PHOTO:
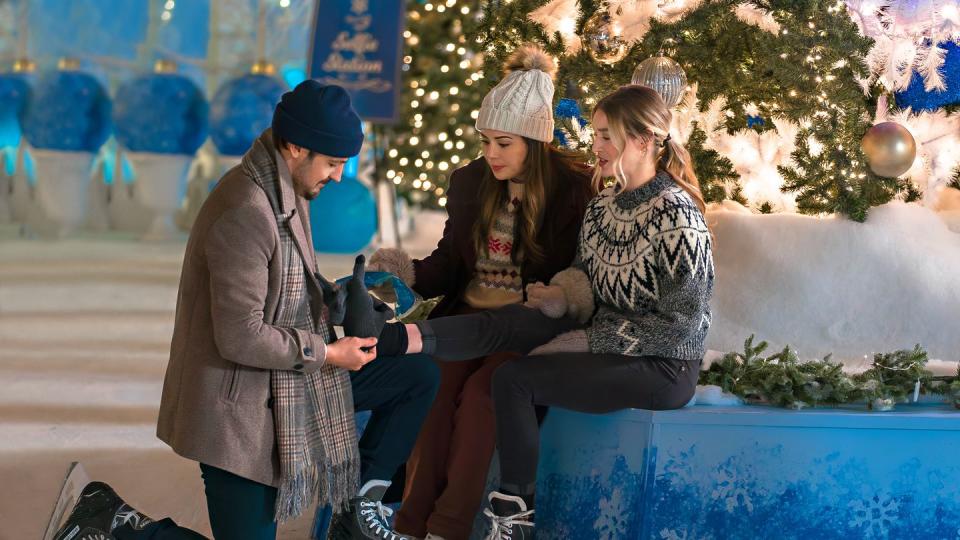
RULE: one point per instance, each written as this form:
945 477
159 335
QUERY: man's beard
308 195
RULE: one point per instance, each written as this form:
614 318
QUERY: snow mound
829 284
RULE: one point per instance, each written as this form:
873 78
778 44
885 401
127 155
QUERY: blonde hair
638 111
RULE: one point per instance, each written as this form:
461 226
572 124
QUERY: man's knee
424 374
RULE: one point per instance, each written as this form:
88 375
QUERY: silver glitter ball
602 39
663 75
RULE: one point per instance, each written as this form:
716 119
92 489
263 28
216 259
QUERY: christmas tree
781 92
439 103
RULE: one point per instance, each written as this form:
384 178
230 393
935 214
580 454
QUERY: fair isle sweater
496 280
647 254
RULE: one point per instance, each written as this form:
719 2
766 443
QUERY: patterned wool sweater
647 255
497 281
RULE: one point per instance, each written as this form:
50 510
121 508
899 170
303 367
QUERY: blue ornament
569 108
916 97
14 96
163 113
241 109
755 121
343 217
70 111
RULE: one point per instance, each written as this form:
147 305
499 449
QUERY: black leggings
585 382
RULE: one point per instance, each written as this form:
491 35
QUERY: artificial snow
710 394
831 285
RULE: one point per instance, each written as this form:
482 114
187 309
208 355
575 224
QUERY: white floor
85 326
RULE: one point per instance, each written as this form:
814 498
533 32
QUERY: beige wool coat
216 401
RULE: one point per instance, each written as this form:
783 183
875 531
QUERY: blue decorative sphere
919 99
241 109
69 110
343 217
14 96
164 113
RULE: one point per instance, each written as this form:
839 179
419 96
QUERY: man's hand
348 352
549 299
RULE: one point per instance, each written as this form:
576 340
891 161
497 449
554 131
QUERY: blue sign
358 47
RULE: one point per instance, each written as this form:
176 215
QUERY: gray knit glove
574 341
334 297
363 317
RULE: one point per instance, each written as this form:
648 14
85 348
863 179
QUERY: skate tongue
506 505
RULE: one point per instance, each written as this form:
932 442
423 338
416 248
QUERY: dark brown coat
448 270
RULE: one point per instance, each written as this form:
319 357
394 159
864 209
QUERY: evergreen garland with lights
781 379
438 105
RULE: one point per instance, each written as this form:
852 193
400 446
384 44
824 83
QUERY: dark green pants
238 508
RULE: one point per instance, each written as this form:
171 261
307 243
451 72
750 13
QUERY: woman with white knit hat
513 220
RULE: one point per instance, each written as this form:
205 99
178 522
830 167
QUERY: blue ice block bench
750 472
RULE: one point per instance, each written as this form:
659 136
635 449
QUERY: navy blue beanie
319 118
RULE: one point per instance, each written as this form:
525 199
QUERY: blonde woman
627 321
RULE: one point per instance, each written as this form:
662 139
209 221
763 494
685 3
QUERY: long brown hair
639 111
543 169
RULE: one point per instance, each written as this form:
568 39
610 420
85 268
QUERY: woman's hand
549 299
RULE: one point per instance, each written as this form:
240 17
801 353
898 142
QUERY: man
258 391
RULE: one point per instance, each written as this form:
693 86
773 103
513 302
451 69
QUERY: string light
437 104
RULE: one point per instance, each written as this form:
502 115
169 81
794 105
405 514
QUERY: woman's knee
476 391
509 378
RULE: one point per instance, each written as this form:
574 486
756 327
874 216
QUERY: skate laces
372 510
126 514
502 526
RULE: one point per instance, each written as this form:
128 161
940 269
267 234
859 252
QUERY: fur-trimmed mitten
578 293
363 316
395 261
574 341
550 300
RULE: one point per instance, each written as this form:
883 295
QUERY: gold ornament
68 63
663 75
263 67
889 149
162 65
602 39
24 65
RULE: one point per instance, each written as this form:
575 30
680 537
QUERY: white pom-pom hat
522 103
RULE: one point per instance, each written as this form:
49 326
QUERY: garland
783 380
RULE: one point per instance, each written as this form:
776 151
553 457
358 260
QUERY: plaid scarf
313 413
